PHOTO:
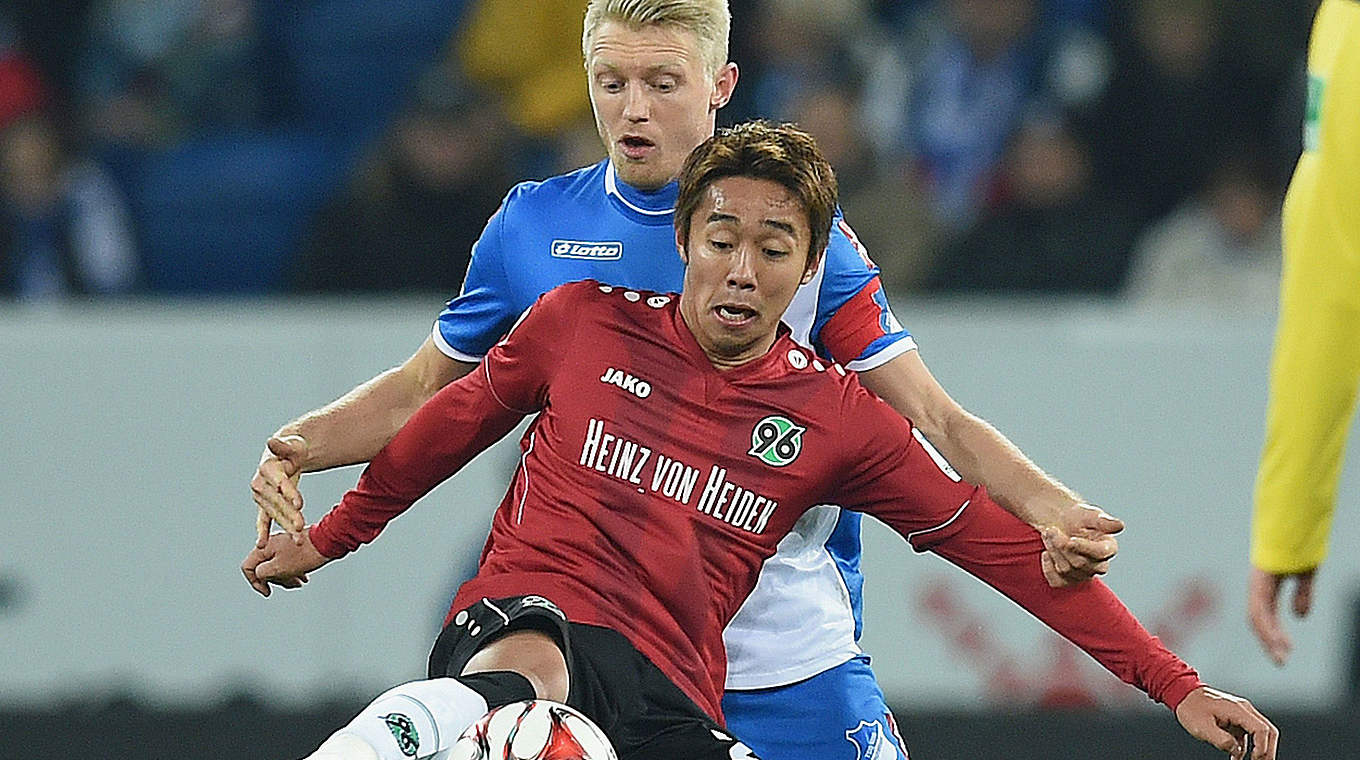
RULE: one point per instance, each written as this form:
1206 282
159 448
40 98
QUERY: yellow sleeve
1315 368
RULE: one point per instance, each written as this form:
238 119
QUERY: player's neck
724 358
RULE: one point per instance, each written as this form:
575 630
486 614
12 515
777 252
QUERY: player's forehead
752 202
622 46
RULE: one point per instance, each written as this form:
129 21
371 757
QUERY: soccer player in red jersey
676 441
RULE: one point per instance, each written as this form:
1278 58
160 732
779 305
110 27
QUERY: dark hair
781 153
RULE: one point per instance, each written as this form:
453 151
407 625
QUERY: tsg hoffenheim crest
871 742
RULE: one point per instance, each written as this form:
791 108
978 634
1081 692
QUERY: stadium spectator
155 72
658 74
1222 247
1178 92
890 215
63 225
574 600
1315 369
529 54
801 45
1054 230
416 206
22 89
945 100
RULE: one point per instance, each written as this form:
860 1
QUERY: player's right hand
275 487
282 562
1080 545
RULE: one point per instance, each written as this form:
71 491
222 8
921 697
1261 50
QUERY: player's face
653 99
746 256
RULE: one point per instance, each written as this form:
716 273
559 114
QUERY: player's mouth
735 315
635 147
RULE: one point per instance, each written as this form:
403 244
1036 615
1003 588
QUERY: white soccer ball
534 729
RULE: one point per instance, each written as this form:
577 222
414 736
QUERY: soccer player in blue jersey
658 73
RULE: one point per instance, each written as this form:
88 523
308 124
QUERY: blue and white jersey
804 615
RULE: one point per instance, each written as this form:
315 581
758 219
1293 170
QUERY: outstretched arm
460 422
349 430
1078 538
999 550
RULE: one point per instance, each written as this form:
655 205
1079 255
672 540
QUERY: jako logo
636 386
585 249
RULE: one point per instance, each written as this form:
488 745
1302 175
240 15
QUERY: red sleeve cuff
327 544
1180 689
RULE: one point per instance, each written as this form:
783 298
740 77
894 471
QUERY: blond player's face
746 255
654 101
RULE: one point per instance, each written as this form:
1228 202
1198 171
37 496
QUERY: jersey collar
656 207
771 363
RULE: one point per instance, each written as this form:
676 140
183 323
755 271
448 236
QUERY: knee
534 655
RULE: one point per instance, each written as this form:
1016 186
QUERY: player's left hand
1226 721
282 562
1080 545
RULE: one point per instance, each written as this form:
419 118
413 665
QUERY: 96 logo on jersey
776 441
587 249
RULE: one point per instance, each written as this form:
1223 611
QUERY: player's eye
664 85
720 245
611 85
776 253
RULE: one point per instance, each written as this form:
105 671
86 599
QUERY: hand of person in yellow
1263 593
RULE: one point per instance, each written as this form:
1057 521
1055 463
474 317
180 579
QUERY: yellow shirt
1315 368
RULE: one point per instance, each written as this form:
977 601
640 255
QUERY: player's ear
680 245
723 85
811 268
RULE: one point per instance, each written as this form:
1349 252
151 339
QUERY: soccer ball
534 729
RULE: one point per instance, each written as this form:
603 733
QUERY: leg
496 662
839 714
414 720
532 654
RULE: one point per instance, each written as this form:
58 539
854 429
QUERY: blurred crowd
1127 148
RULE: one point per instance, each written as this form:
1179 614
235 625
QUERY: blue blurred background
217 214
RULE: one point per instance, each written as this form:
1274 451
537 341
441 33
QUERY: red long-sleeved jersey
652 486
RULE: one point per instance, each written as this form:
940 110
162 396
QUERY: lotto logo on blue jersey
586 249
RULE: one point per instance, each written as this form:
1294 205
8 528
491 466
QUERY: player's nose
741 271
636 105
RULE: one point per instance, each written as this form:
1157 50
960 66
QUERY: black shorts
643 713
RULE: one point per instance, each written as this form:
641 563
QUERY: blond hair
709 20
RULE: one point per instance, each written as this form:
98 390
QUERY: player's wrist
328 547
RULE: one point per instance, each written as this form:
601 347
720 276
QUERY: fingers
1095 521
1107 524
248 567
1050 572
1265 738
1093 552
1075 559
1056 545
275 492
1262 593
1243 720
1303 594
1227 722
1234 745
262 523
